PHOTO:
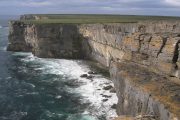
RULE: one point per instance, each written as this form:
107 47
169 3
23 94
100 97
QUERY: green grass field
85 19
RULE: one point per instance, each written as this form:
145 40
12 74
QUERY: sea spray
90 92
35 88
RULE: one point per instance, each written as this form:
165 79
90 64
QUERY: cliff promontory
143 58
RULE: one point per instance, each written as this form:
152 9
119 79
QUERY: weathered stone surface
140 117
108 87
151 44
54 41
84 75
17 38
92 72
154 44
143 92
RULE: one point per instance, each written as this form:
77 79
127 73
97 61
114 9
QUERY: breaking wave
34 88
88 95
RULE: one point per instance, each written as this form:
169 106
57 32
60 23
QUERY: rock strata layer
142 58
53 41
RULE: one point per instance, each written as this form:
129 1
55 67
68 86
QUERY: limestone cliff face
143 92
17 37
55 41
153 44
141 58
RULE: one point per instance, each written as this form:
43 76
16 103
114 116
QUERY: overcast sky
137 7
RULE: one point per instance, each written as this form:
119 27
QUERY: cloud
36 3
142 7
173 2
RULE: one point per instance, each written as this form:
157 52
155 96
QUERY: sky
130 7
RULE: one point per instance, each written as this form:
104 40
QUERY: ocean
33 88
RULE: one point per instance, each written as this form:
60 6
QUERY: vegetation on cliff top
81 19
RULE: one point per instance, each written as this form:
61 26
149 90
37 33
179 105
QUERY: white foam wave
92 91
32 93
3 48
8 77
23 54
80 117
32 85
28 56
58 97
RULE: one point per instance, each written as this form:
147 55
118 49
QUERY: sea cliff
142 57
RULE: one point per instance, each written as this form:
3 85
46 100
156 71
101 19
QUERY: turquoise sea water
33 88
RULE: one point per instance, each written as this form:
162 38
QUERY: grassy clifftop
85 19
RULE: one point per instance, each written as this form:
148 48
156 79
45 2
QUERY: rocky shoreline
142 58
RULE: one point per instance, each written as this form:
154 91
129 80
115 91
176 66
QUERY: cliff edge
143 58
